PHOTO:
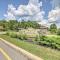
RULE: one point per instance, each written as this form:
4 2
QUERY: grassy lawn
43 52
54 38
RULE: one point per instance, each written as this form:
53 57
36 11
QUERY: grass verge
43 52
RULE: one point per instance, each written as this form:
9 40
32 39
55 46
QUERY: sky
43 11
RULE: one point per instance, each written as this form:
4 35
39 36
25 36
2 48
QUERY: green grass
52 41
43 52
55 38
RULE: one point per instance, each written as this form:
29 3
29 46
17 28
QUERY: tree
26 24
13 24
4 24
53 28
58 31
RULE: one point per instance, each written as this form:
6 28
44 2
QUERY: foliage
53 28
58 31
14 24
22 36
15 35
12 34
36 38
26 24
49 41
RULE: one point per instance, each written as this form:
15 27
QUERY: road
8 53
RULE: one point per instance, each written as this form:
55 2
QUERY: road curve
12 53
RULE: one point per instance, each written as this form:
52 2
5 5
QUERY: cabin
43 30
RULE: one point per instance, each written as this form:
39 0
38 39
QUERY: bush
42 37
25 37
49 41
36 38
7 33
22 36
13 35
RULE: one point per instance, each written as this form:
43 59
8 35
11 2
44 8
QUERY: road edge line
5 54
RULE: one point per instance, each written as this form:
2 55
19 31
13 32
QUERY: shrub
36 38
7 33
42 37
13 35
22 36
49 41
25 37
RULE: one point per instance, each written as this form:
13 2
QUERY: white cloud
10 16
55 3
54 15
31 11
43 22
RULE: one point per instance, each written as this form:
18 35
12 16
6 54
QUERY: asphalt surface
12 53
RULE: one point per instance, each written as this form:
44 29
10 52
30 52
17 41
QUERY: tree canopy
14 24
53 28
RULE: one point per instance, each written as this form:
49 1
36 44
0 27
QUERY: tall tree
58 31
53 28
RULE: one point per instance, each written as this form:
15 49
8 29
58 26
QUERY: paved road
12 53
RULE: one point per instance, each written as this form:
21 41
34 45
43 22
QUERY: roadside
43 52
28 55
11 53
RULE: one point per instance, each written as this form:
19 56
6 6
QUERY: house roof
43 27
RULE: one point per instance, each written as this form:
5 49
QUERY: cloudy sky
43 11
